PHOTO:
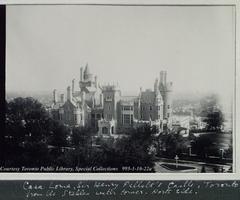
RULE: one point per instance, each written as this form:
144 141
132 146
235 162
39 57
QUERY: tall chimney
54 96
161 77
165 78
73 83
69 93
81 74
62 98
101 100
95 80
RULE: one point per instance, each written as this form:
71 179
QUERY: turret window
109 98
127 108
150 107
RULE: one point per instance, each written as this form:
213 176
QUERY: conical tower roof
86 70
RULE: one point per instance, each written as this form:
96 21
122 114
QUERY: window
93 116
158 107
168 106
150 107
109 107
126 119
105 130
81 116
98 116
127 108
168 115
158 116
131 117
109 98
109 116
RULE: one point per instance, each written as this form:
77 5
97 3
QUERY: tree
211 112
29 131
214 120
135 149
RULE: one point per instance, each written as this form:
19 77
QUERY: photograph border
148 176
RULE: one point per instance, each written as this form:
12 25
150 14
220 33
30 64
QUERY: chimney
165 78
161 77
54 96
69 93
101 100
156 85
81 74
62 98
95 80
73 83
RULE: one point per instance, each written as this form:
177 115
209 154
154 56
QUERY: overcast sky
46 46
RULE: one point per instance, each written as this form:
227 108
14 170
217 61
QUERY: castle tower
111 96
159 105
166 92
69 93
55 96
62 99
87 76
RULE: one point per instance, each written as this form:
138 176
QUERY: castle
103 108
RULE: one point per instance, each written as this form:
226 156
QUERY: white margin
150 176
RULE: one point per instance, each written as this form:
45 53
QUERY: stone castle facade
103 107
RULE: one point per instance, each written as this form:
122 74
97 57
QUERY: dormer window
109 98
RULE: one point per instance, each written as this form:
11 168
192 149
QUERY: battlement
169 86
110 87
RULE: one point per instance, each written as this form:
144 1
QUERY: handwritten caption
54 189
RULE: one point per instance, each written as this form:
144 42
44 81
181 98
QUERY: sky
128 45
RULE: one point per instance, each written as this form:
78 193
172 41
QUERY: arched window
104 130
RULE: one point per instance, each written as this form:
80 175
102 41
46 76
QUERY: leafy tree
29 131
211 112
214 120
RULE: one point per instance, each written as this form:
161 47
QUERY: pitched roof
148 96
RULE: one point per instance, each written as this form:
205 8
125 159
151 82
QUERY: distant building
104 108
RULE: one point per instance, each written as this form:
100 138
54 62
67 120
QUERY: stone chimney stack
62 98
73 84
69 93
156 85
81 74
96 83
161 77
165 78
54 96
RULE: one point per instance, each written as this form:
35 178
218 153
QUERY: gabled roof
129 98
148 97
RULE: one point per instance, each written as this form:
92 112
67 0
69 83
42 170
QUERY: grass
175 167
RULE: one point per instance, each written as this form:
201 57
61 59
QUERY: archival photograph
119 89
